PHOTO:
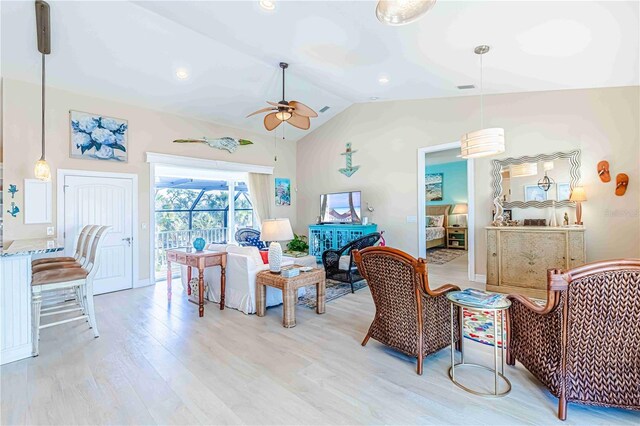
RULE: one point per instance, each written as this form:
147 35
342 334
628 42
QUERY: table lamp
578 195
275 230
460 209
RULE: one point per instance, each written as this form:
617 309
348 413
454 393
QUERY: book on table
478 297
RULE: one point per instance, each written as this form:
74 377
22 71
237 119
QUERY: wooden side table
289 287
457 235
200 260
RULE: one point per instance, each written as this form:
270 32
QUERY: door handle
128 240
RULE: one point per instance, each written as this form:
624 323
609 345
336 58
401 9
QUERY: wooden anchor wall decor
350 169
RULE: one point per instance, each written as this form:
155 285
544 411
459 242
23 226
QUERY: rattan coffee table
501 307
289 287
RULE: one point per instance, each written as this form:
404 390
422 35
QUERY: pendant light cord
43 104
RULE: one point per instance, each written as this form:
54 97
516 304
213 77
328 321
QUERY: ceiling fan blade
278 105
271 121
302 109
299 121
261 110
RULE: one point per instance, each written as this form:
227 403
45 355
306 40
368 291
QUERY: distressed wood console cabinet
518 257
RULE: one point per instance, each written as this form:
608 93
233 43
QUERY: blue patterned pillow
255 242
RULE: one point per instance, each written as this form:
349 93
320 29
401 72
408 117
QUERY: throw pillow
255 242
435 221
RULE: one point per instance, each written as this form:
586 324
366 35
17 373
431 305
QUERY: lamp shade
42 170
524 169
578 194
482 143
462 208
276 230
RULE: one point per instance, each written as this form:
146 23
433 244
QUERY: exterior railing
172 239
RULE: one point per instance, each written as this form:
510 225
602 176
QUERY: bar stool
77 279
86 230
80 259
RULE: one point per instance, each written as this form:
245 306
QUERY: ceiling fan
293 112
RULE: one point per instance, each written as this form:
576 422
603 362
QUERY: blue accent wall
454 179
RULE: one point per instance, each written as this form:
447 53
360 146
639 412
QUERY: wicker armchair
584 345
346 274
410 317
243 234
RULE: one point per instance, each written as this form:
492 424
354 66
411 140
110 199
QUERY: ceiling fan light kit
402 12
483 142
293 112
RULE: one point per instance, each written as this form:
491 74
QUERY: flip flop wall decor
603 171
622 181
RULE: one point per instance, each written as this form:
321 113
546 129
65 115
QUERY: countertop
538 228
33 246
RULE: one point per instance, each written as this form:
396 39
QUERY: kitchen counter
15 295
33 246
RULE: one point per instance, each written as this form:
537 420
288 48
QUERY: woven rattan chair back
243 234
409 317
603 337
393 280
584 344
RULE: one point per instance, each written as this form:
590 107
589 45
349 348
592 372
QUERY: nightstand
457 237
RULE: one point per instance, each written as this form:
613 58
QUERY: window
186 205
186 209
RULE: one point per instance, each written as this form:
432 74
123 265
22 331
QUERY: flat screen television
341 207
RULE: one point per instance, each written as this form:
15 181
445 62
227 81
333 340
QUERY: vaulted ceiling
338 51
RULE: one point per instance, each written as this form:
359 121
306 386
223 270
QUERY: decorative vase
275 257
198 244
553 220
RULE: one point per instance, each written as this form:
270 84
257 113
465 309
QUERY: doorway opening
445 212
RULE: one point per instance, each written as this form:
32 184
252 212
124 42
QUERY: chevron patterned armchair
584 344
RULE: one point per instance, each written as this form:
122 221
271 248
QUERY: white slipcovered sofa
243 263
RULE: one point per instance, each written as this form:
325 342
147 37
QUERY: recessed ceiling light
374 98
268 4
383 79
182 73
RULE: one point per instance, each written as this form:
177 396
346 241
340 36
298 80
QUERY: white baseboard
16 353
143 283
481 278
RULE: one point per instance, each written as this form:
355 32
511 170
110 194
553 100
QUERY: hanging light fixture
402 12
524 169
483 142
42 170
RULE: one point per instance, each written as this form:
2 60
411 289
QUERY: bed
436 235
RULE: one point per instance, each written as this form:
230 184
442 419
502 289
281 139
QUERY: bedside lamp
578 195
459 209
275 230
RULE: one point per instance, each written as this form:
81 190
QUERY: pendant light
483 142
402 12
42 170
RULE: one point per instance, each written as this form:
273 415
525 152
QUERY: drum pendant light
41 169
483 142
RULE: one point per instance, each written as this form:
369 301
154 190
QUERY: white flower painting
95 137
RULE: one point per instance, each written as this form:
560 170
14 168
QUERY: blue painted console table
324 237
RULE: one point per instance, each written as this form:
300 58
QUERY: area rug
440 256
478 325
333 290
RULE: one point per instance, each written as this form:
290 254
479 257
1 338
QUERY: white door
102 201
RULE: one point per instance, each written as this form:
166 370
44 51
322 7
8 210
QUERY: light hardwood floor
160 364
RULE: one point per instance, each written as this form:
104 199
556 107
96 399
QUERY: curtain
260 192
